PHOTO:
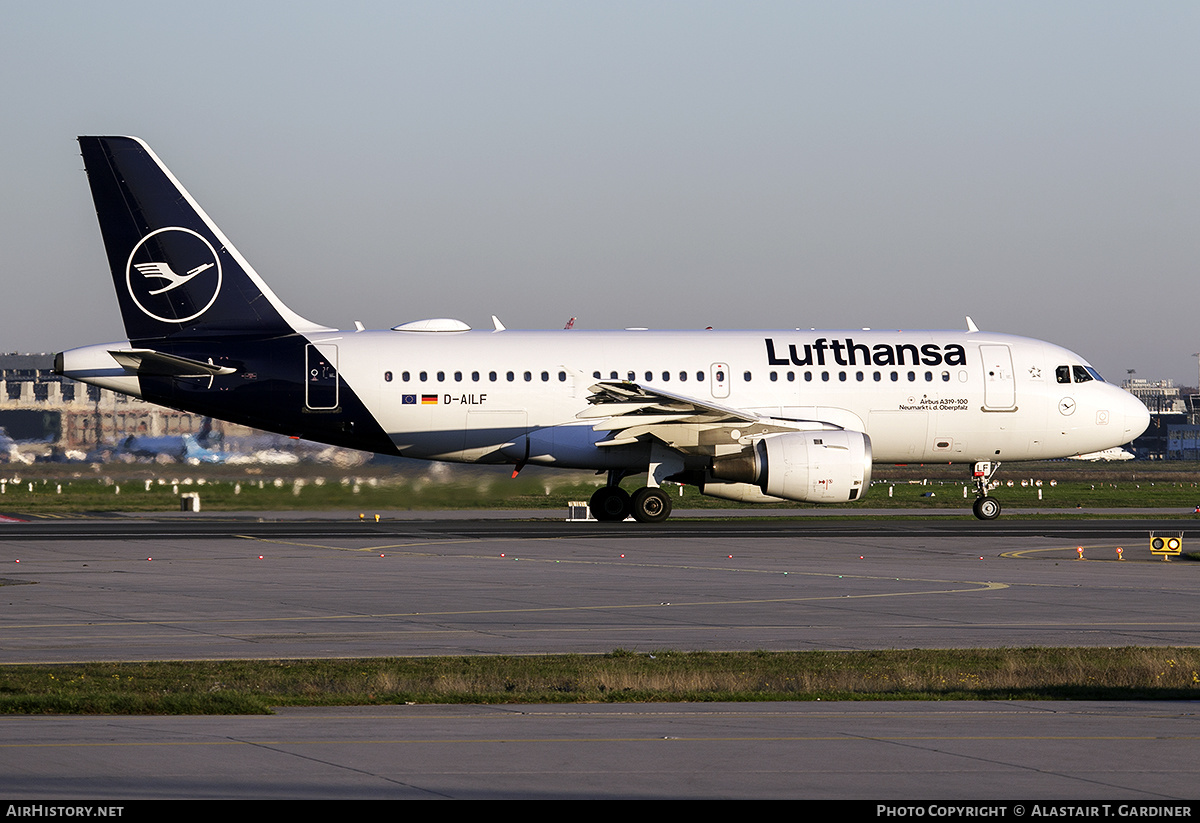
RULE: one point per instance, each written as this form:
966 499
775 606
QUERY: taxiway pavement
225 587
1077 753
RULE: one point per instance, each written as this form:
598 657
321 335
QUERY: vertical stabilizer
175 272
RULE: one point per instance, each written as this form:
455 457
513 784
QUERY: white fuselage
968 397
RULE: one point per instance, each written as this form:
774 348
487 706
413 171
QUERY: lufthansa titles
845 352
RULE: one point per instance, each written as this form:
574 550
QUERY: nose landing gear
985 507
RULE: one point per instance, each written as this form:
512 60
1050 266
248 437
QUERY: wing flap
626 399
631 412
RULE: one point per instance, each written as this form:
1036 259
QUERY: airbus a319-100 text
753 416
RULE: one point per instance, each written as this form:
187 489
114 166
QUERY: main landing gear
985 507
612 504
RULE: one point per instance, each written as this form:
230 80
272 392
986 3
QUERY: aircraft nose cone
1137 417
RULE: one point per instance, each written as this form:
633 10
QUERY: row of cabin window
666 376
545 376
861 376
511 377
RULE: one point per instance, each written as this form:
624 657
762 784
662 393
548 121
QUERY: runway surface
224 587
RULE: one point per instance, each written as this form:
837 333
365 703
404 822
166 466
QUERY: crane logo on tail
155 284
163 270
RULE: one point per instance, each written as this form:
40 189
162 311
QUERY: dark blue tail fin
174 271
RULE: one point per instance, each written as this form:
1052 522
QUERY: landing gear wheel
986 508
650 505
609 504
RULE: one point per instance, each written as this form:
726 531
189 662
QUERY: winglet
971 324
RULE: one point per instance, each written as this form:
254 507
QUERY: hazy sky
663 164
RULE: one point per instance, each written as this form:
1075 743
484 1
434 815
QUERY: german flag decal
429 400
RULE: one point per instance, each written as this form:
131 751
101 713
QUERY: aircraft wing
630 411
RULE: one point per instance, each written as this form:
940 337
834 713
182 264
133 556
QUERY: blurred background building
44 416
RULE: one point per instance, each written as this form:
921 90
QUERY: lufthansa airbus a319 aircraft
753 416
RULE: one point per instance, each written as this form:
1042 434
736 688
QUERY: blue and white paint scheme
756 416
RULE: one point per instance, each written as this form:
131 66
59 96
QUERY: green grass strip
57 488
254 686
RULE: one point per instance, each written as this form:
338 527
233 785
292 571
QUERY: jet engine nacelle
737 492
811 467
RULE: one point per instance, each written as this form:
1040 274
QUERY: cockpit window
1081 374
1094 374
1063 373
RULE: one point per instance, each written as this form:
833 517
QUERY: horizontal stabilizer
152 363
